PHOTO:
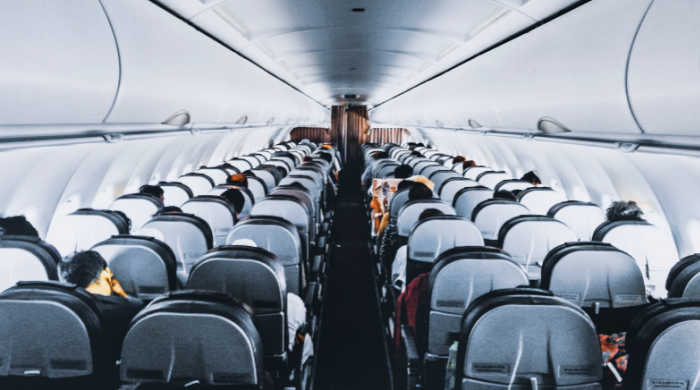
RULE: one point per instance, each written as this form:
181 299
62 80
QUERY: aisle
352 351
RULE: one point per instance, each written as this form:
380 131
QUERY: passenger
624 211
17 225
296 309
423 180
420 191
398 267
458 159
237 179
403 171
308 159
532 178
152 190
504 194
89 270
235 198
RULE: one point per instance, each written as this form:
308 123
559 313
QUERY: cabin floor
352 351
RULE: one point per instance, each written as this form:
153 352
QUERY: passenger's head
237 179
532 178
420 191
88 270
429 213
458 159
326 156
234 197
17 225
468 164
416 154
624 211
404 184
152 190
403 171
380 155
307 159
503 194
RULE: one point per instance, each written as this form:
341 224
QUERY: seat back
257 188
540 199
289 209
467 198
684 278
543 342
199 183
429 170
217 175
254 276
279 237
138 207
472 173
49 330
409 213
654 252
438 177
187 235
435 235
424 163
491 214
593 275
451 186
268 178
165 343
248 199
26 258
218 213
528 239
82 229
399 199
490 179
512 185
663 343
582 217
175 193
386 170
459 276
144 266
243 164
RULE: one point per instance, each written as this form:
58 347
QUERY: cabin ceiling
371 49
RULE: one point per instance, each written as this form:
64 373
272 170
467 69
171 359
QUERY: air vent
551 125
178 119
358 10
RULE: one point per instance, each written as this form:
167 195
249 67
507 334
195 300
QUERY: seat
439 176
512 185
268 178
435 235
285 164
598 277
217 175
187 235
138 207
458 277
243 164
144 266
397 202
165 343
386 171
288 208
663 343
489 215
218 213
278 236
490 179
430 169
528 239
467 198
423 163
50 335
257 187
311 208
248 198
199 183
684 278
175 193
654 252
409 213
254 276
540 199
543 342
449 188
472 173
26 258
82 229
582 217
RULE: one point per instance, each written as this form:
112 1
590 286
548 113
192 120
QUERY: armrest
316 264
310 294
413 362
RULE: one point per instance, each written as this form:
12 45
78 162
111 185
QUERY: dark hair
416 154
624 211
249 173
504 194
152 190
237 179
169 210
403 171
326 156
82 268
380 154
17 225
419 191
532 178
468 164
428 213
404 184
307 159
458 159
235 198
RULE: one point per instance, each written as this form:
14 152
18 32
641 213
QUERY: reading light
179 119
550 125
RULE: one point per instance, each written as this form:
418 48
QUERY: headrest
397 202
409 213
684 278
138 207
199 183
438 176
175 193
489 215
217 175
243 164
428 169
274 234
163 344
593 274
582 217
50 330
432 236
286 206
472 173
183 219
219 214
528 327
663 342
491 178
450 186
268 178
26 258
144 266
540 199
83 228
512 185
466 199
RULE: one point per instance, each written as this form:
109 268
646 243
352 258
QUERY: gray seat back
138 207
397 202
582 217
540 199
472 173
491 178
218 213
409 213
175 193
267 177
467 198
199 183
438 177
491 214
26 258
451 186
290 210
512 185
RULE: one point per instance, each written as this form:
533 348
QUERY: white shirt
398 268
